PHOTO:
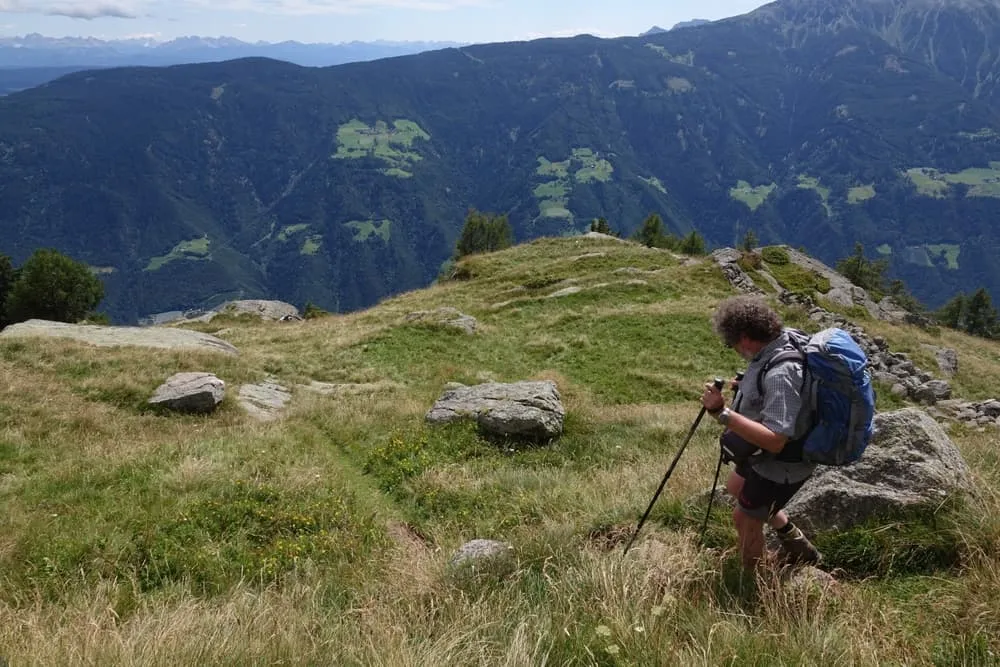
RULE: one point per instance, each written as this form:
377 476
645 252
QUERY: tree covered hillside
186 186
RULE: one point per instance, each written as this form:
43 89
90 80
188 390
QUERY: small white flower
603 631
639 629
613 649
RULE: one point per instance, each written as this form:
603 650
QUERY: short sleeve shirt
778 408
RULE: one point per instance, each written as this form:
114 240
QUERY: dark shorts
761 498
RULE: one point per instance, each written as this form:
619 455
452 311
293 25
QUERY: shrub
52 286
775 255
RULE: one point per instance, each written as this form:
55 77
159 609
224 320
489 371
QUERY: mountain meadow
136 535
813 123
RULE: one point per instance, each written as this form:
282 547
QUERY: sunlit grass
134 536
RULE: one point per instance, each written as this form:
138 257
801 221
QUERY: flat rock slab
522 409
111 336
190 392
265 401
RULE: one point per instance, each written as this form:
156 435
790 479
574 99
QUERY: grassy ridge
133 536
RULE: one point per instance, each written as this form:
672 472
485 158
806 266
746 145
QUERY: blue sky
348 20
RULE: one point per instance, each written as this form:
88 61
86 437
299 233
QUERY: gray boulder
911 463
447 317
947 359
190 392
932 392
523 409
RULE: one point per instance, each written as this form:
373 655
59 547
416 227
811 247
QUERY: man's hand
712 398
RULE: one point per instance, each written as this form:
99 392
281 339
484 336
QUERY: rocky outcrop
910 464
111 336
446 317
190 392
531 410
260 308
892 369
728 260
977 414
264 309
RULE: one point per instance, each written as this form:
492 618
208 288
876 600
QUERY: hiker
761 431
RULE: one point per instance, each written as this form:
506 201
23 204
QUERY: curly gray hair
748 316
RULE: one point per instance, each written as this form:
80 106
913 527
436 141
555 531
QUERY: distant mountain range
34 59
39 51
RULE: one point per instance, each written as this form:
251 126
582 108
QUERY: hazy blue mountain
30 51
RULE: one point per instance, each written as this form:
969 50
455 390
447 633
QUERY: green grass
195 249
583 166
860 193
798 279
752 196
133 535
311 245
364 229
391 145
982 181
950 250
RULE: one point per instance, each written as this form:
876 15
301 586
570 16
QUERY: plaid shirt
778 408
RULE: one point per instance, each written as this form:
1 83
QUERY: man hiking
761 430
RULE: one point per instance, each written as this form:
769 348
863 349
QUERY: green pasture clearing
982 181
753 197
583 166
390 144
807 182
290 230
884 249
860 193
950 250
364 229
312 245
195 249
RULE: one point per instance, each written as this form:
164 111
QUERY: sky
336 21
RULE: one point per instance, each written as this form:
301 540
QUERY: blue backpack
838 392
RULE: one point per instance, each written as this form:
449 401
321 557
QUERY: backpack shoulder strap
794 353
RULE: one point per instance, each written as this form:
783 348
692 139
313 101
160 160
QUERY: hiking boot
797 548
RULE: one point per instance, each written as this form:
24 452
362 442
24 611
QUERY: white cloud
90 9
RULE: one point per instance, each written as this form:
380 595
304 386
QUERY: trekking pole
718 385
715 484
